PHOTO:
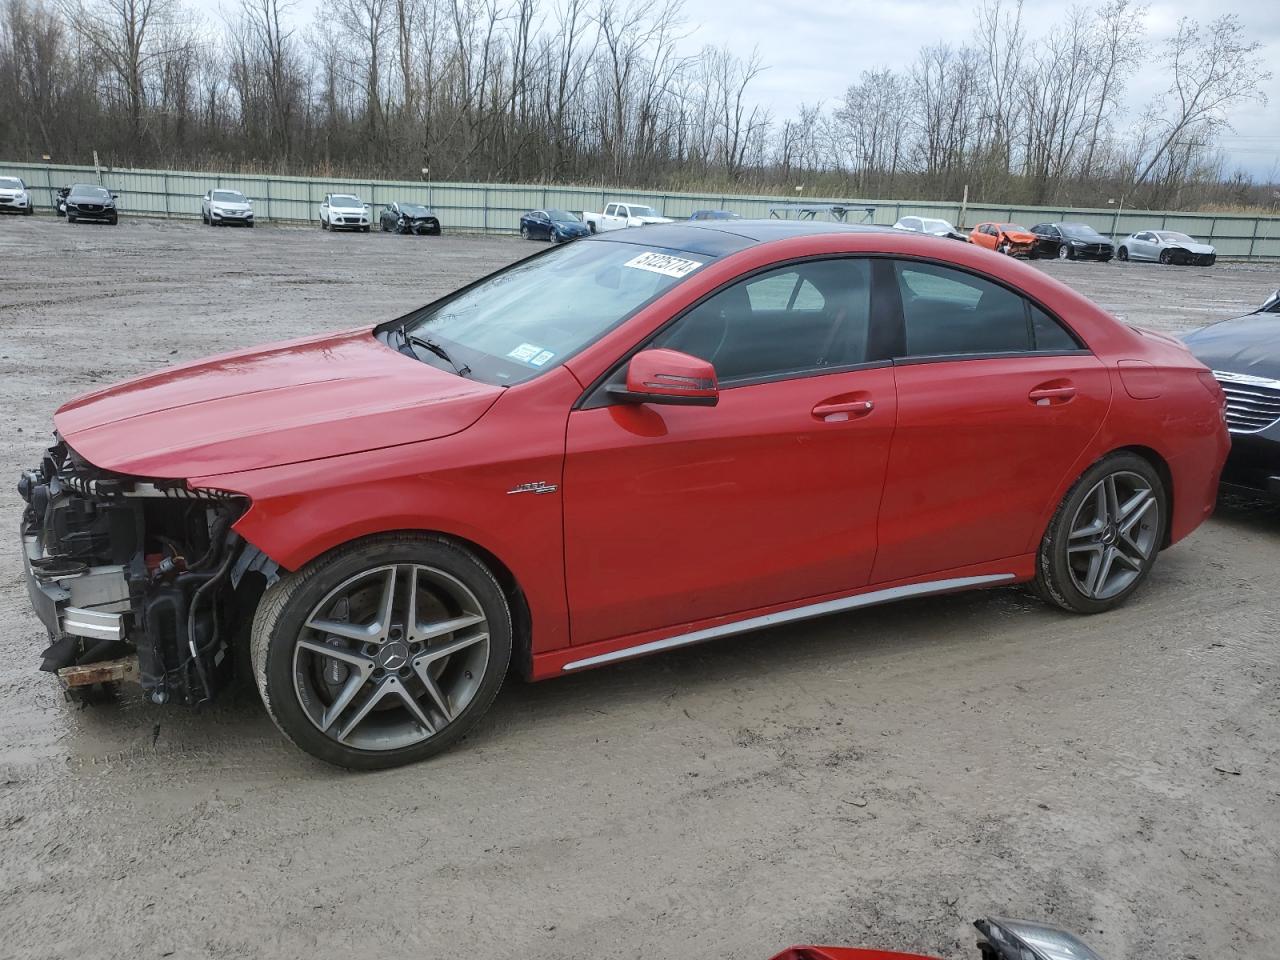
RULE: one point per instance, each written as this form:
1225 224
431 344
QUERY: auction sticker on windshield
664 264
530 354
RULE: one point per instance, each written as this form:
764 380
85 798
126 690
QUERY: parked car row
344 211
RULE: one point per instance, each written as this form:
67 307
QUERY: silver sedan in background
1166 246
932 226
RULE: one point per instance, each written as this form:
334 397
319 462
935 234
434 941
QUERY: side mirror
668 377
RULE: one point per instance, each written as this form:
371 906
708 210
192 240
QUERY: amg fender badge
536 486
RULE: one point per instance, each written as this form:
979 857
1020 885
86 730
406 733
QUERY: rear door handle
839 411
1044 396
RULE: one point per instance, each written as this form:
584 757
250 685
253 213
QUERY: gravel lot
879 778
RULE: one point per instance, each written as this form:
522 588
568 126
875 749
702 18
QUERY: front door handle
1047 394
837 411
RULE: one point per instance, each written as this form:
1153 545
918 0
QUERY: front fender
467 485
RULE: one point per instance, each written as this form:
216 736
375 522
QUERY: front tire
1104 537
382 652
1166 257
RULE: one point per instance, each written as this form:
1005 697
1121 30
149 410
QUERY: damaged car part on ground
998 939
132 577
457 489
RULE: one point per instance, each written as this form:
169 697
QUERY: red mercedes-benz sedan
626 444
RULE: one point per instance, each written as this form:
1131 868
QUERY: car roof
717 238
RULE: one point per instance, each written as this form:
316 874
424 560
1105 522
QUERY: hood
1249 344
654 219
11 192
284 403
346 208
1192 247
1021 236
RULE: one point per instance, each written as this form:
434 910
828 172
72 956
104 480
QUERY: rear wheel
1122 254
1104 538
382 652
1064 252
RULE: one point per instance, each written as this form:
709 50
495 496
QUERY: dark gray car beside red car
1244 355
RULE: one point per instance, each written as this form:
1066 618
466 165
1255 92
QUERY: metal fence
496 208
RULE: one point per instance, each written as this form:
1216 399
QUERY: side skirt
572 659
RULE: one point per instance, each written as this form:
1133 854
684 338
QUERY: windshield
97 193
561 216
1013 228
10 183
530 317
1175 237
344 200
414 209
639 211
1079 230
939 226
228 196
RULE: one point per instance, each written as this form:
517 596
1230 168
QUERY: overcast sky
815 48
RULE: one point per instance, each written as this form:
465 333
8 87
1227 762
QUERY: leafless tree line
616 91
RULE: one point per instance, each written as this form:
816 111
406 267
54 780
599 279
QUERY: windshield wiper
461 369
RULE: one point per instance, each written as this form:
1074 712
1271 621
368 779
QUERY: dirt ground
878 778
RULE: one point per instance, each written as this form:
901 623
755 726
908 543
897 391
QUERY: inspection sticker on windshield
531 354
662 263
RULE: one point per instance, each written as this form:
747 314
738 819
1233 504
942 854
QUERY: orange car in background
1006 238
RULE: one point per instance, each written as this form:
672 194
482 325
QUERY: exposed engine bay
135 579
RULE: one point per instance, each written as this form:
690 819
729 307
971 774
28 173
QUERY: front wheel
382 652
524 232
1104 538
1166 257
1003 248
323 225
365 228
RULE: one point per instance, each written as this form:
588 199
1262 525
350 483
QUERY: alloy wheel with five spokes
1105 536
384 652
1112 535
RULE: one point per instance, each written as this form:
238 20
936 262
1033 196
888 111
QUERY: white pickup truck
617 216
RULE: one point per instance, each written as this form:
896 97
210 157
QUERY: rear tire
1104 537
1064 252
1122 254
298 614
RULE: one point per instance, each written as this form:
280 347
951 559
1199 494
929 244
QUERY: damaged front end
135 579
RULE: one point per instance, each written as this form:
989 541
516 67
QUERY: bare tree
1211 70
